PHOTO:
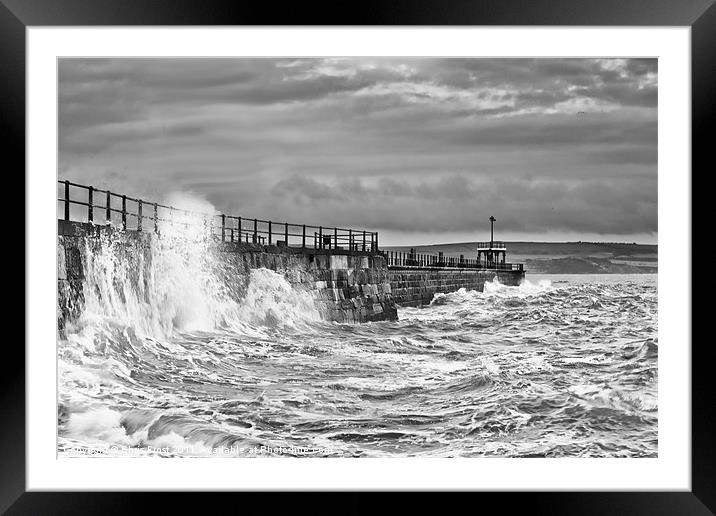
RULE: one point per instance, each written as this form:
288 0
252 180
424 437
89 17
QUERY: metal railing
413 259
491 245
140 215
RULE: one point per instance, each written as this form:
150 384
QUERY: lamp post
492 222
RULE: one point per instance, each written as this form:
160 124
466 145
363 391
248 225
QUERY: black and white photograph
357 257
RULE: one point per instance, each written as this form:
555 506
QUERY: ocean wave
543 369
176 283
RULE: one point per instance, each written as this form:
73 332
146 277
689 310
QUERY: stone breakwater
417 286
346 286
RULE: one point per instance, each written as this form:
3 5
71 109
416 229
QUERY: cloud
457 203
406 145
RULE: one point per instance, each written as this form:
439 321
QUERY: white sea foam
177 281
526 288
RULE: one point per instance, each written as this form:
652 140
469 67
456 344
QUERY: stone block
61 263
338 261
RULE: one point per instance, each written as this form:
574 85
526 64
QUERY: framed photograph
419 248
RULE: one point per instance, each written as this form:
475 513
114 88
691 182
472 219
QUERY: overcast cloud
423 150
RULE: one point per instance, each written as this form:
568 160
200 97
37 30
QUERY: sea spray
178 281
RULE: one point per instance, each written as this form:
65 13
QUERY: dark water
561 366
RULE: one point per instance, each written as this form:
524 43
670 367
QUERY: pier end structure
412 286
415 277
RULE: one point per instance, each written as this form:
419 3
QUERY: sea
175 364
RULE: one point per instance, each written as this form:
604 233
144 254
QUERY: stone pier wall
415 286
347 286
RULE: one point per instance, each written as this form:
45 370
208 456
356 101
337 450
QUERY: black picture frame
17 15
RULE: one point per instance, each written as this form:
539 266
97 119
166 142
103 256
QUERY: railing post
320 237
124 212
139 215
223 226
335 238
269 233
231 235
303 239
239 227
156 218
285 225
67 200
108 208
90 210
364 240
256 231
376 241
350 239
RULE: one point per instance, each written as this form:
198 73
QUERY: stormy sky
423 150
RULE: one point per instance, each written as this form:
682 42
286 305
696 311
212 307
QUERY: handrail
424 260
229 228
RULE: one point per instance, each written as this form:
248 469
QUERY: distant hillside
562 257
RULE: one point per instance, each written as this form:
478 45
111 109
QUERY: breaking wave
179 282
